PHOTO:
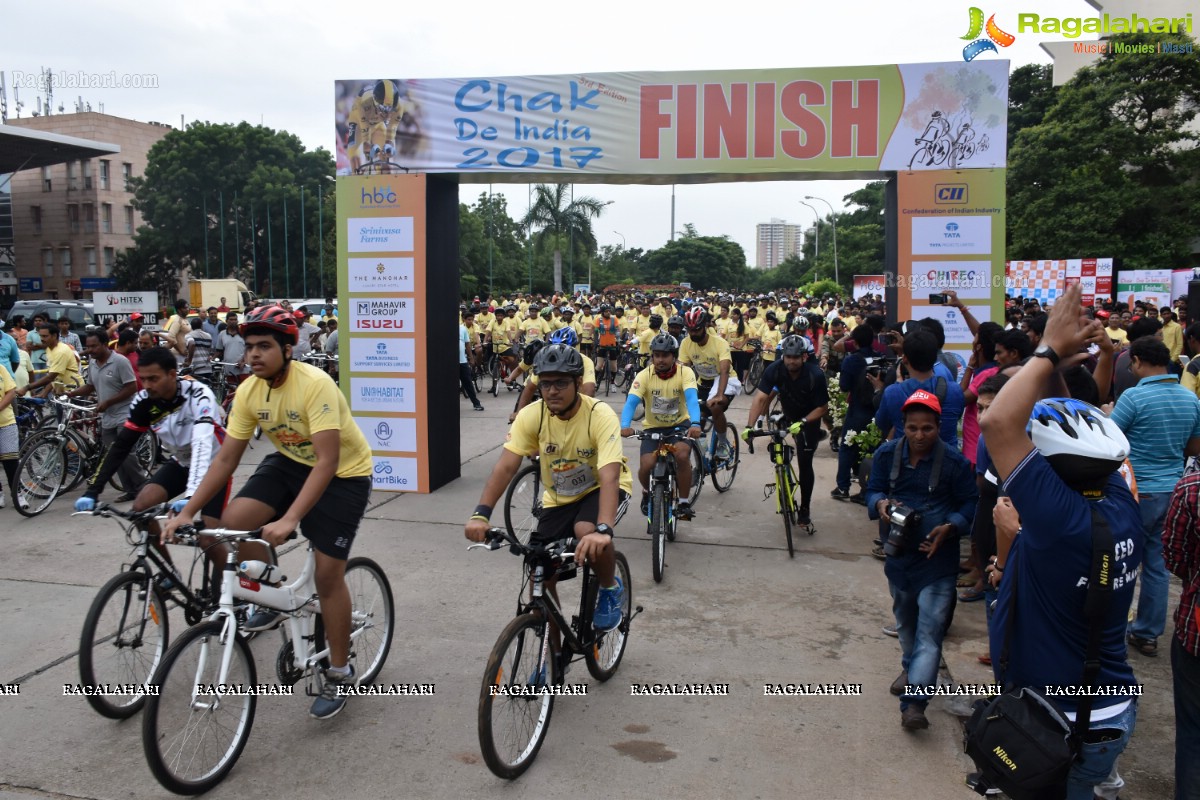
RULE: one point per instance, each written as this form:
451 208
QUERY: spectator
111 379
1191 373
212 323
920 471
67 336
465 345
230 348
1181 551
860 407
10 352
199 350
1056 482
1172 334
980 366
919 355
1162 422
1123 376
16 327
127 345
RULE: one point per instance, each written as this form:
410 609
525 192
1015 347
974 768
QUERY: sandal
969 579
1147 647
971 595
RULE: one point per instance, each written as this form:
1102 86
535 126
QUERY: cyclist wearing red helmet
319 477
708 354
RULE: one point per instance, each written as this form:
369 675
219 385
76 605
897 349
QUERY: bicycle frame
781 455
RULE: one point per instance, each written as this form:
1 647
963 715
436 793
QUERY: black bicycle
664 493
516 699
126 630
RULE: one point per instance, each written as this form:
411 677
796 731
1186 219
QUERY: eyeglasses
556 385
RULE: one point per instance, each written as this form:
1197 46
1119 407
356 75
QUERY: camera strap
1099 596
935 474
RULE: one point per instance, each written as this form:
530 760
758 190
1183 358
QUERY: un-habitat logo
995 36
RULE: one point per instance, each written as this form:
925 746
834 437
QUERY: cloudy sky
275 62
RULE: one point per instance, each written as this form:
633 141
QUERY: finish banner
660 127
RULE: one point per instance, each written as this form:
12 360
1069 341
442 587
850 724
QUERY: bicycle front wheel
193 740
513 726
604 656
725 468
783 497
372 618
79 453
124 637
659 514
697 459
40 475
522 502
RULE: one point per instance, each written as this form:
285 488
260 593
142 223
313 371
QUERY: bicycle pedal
768 490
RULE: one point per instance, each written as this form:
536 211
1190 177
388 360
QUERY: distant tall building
70 220
777 240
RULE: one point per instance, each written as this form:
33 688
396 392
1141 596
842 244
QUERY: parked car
79 312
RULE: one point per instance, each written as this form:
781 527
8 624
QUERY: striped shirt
1181 551
1158 417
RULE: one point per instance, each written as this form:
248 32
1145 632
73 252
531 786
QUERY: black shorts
173 477
558 522
608 351
333 522
649 445
505 352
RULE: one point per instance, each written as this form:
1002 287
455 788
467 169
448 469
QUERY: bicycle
55 460
661 522
757 366
523 501
127 627
786 485
513 723
723 468
191 738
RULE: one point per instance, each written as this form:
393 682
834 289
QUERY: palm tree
559 216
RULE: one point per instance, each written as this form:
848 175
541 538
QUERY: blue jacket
10 354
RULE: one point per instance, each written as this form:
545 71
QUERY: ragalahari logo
995 36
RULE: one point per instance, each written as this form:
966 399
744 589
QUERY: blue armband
693 405
631 404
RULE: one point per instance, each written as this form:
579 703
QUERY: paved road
733 609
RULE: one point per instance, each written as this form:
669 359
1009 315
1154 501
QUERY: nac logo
383 431
995 36
952 231
378 196
950 194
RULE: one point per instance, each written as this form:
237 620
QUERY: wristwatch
1047 352
605 529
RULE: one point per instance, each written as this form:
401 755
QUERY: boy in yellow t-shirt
770 337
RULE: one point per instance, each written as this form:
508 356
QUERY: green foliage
707 262
1114 168
213 179
140 269
860 240
492 253
1031 93
563 222
821 288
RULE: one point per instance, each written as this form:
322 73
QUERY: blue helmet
566 336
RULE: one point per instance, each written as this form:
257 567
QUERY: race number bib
665 407
708 372
573 481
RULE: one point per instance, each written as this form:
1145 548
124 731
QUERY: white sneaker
1 499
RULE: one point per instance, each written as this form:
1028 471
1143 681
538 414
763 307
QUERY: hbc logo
950 194
378 196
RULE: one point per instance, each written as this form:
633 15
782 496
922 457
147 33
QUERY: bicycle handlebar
63 401
145 515
496 537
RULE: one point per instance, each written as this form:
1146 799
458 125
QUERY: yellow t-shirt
770 340
586 327
644 340
629 323
308 402
666 405
62 361
484 320
1119 335
706 359
175 325
755 327
7 384
643 323
535 328
504 331
572 450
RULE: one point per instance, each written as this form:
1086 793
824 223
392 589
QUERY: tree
1114 168
141 269
1031 93
206 195
491 247
707 262
563 220
860 237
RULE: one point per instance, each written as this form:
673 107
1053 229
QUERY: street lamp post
816 230
833 221
618 233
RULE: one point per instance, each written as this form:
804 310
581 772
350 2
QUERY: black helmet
605 307
664 342
531 351
656 320
676 319
558 358
771 317
796 346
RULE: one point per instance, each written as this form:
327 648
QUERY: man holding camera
923 492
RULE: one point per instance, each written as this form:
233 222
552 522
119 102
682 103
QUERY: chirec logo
953 194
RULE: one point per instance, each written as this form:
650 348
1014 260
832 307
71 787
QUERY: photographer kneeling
923 492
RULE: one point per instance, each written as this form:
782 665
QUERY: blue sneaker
609 606
537 678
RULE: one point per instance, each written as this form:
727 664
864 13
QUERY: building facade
70 220
777 240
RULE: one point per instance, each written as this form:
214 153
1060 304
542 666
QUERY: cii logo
950 194
995 36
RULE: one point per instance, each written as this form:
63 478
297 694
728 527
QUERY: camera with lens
903 523
879 365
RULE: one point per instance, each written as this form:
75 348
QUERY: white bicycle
193 735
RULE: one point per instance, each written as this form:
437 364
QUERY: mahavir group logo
995 36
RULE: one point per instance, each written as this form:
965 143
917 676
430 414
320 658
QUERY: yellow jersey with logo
586 327
770 340
535 328
644 340
643 323
572 450
308 402
484 320
705 359
504 332
666 406
629 323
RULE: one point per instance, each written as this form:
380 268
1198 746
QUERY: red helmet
696 318
272 318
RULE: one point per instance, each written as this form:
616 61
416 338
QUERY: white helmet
1081 443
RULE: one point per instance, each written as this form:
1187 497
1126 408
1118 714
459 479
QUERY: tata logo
952 231
377 196
950 194
383 431
381 348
